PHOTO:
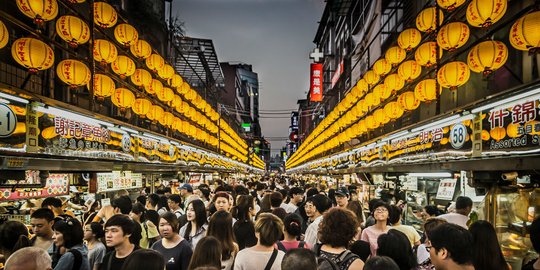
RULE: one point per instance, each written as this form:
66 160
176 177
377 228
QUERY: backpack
334 263
282 247
78 259
152 240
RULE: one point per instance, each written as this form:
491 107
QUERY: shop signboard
511 129
441 143
56 185
316 89
409 183
446 190
118 180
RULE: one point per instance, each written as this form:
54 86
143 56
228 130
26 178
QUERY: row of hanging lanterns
485 57
36 55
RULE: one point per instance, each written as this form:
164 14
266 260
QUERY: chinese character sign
316 90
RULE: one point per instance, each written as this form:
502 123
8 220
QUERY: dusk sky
275 36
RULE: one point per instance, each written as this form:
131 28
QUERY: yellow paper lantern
382 92
49 133
176 102
183 88
393 110
104 51
72 72
426 90
453 35
155 113
483 13
103 86
362 87
426 21
380 117
39 10
409 39
123 66
141 49
126 34
395 55
32 54
4 35
487 56
453 75
408 101
165 94
141 106
105 15
524 34
166 72
123 98
382 67
154 87
498 133
141 78
485 135
450 5
176 81
167 119
371 123
73 30
512 130
426 54
409 70
394 82
371 77
155 62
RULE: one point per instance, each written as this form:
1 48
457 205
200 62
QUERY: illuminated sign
316 88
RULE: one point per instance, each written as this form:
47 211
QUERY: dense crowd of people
266 225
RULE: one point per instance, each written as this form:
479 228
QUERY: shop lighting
444 122
397 135
432 175
508 102
129 130
176 143
154 137
117 130
71 115
13 98
5 101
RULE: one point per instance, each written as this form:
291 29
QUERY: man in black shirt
118 230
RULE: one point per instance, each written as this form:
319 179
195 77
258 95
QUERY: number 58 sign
8 121
458 135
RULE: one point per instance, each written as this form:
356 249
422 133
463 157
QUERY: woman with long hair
206 254
243 228
396 245
93 235
486 249
68 234
173 247
197 224
220 227
13 236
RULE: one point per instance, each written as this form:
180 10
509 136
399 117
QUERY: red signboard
337 74
316 83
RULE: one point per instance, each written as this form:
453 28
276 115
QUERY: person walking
197 224
68 234
93 235
371 234
175 250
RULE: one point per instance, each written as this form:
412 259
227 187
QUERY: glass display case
511 211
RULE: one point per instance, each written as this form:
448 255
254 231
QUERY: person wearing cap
342 197
186 191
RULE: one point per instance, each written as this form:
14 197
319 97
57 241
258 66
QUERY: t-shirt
292 244
370 235
96 254
177 257
111 262
456 218
312 231
409 231
250 259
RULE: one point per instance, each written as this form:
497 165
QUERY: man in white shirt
461 216
296 195
315 207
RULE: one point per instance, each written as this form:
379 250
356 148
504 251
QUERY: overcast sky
275 36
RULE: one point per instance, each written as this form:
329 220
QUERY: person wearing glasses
422 254
451 247
370 234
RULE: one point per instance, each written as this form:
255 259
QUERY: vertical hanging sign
32 128
316 83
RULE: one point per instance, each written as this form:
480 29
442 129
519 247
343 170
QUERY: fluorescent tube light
396 135
155 137
117 130
129 130
13 98
72 116
527 95
433 175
